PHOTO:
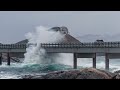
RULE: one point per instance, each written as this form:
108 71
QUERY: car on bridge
99 42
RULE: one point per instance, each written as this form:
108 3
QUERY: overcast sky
15 24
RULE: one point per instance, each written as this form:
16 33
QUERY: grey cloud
15 24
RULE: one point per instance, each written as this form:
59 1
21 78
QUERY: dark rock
31 77
87 73
117 74
118 71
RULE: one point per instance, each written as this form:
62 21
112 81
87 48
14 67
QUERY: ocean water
17 70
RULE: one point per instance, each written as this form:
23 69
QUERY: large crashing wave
37 55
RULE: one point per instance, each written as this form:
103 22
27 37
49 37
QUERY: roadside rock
30 77
87 73
118 72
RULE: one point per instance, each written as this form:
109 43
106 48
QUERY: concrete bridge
111 50
12 50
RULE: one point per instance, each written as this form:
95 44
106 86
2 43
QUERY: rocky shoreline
87 73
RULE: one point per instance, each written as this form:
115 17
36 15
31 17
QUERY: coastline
86 73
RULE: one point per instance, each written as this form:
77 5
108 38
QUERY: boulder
87 73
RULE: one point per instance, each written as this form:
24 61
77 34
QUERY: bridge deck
12 48
82 50
107 47
86 50
82 45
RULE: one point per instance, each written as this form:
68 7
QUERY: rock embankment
87 73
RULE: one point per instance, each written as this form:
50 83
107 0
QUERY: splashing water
37 55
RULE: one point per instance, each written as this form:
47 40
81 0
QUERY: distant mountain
92 38
67 39
85 38
22 42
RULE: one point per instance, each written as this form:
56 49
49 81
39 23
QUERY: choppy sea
16 70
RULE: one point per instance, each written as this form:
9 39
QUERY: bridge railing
65 45
81 45
12 46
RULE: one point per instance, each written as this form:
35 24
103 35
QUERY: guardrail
82 45
12 46
65 45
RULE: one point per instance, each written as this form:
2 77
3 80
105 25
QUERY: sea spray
37 55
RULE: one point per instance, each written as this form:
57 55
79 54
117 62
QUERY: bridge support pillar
8 58
106 62
75 61
94 62
0 58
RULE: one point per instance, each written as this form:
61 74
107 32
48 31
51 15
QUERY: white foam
35 54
